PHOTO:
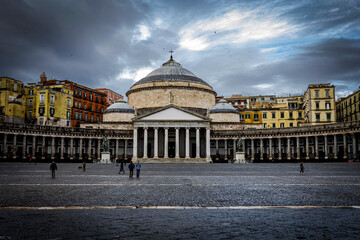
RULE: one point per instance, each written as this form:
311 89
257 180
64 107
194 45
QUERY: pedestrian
30 159
53 168
121 170
84 165
131 169
138 166
117 161
301 167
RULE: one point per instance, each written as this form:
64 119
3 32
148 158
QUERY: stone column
156 149
117 148
80 149
197 142
261 149
53 147
89 149
335 147
187 143
62 148
279 147
43 145
252 150
24 147
297 148
98 149
270 149
135 145
316 147
288 149
217 147
177 147
71 147
234 147
354 143
166 143
34 147
125 148
307 147
345 146
14 148
226 149
326 147
208 157
145 142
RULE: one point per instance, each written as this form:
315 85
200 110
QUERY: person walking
301 167
131 169
84 165
138 166
30 159
121 170
53 168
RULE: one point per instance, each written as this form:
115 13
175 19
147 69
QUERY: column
71 147
24 147
197 142
80 149
145 142
187 143
345 146
117 148
226 149
62 148
326 147
354 143
234 147
43 145
279 147
217 147
252 150
270 149
98 149
316 147
166 143
335 147
89 149
14 148
261 149
288 149
4 146
208 157
135 145
297 148
53 148
34 147
156 142
307 147
177 143
125 148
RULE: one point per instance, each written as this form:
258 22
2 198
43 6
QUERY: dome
171 71
120 106
223 107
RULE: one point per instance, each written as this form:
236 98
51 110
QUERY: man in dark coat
53 168
131 169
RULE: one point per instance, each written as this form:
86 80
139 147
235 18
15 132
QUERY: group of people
131 169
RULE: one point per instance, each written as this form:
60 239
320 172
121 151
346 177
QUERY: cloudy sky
239 47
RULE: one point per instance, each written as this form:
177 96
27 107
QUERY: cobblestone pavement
180 201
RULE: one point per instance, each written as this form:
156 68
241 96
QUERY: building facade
348 109
111 96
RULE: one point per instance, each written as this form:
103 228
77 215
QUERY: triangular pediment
172 113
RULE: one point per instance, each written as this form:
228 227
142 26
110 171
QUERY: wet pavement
181 201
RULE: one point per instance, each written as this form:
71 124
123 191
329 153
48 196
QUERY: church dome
223 107
120 106
171 71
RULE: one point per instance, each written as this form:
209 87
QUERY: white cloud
233 27
264 85
141 33
135 74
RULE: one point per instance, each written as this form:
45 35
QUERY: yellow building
251 116
49 102
348 109
282 118
12 100
319 104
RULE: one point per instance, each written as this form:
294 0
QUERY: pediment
171 114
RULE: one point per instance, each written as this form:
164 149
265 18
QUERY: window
247 116
102 100
291 124
90 107
281 125
75 103
241 117
52 99
85 94
80 93
84 105
262 99
42 98
264 125
68 114
52 112
317 105
256 117
97 118
31 92
92 118
96 108
91 97
327 105
299 115
76 91
15 87
79 104
273 115
69 102
318 117
282 115
327 92
290 115
86 117
328 117
264 115
80 116
317 94
274 125
41 111
30 103
102 109
97 98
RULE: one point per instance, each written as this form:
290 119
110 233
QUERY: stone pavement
180 201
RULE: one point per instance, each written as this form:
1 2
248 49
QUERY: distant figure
131 169
121 170
301 167
53 168
117 161
84 165
138 166
30 159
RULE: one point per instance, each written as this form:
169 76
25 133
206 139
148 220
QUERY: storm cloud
239 47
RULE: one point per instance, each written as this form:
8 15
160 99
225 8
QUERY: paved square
175 201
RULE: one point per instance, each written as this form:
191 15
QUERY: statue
240 145
171 97
105 144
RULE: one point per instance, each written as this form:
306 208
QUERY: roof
120 106
223 107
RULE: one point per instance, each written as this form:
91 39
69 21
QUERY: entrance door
171 149
193 150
